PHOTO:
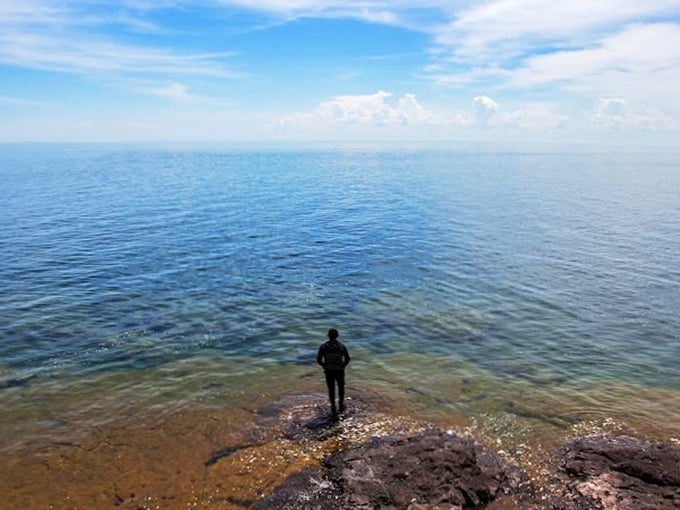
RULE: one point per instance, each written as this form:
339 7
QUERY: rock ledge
620 473
433 469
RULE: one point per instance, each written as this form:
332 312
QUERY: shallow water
529 295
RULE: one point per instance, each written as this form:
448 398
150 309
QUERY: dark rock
224 453
622 473
243 503
432 469
557 421
306 490
161 327
382 464
17 382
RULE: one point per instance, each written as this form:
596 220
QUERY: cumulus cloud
610 108
379 109
614 112
414 112
382 109
360 109
485 108
536 116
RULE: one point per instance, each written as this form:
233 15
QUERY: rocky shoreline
416 467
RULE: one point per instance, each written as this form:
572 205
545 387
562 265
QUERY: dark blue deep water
558 267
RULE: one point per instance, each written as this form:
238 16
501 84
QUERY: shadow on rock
308 416
306 420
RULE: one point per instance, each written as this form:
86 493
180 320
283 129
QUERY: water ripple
522 265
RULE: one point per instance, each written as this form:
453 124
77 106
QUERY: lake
530 295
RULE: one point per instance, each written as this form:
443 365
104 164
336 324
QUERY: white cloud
610 107
640 64
9 100
614 112
173 90
608 114
78 54
68 38
177 93
484 117
638 49
367 109
506 28
568 49
536 116
25 11
536 41
611 64
360 109
413 112
456 80
395 12
485 108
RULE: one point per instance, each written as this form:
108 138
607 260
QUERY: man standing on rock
334 357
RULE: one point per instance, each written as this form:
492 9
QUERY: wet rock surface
308 417
437 470
619 473
430 470
363 460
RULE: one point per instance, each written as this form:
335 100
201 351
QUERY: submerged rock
307 417
17 382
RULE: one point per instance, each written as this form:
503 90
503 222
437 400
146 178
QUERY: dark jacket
333 355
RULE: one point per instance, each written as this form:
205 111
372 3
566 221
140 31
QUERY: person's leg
330 382
341 389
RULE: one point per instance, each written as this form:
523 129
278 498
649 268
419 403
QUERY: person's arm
319 356
347 358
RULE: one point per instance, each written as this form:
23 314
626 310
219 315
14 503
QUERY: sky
560 71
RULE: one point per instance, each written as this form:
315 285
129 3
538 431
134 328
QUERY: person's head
332 334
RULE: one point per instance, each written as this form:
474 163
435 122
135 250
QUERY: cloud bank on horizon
231 70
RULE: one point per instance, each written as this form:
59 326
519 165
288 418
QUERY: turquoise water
547 269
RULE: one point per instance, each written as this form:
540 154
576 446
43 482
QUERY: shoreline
230 459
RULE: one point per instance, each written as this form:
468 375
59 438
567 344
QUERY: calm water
151 277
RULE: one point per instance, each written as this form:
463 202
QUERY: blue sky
237 70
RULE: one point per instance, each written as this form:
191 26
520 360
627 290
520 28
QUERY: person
334 357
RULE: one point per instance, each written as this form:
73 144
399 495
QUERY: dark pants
333 377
